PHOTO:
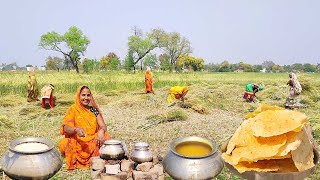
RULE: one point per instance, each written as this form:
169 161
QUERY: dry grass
219 98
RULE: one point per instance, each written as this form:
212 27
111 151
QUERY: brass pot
26 164
181 166
112 150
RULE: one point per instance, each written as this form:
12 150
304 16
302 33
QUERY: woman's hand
100 139
80 132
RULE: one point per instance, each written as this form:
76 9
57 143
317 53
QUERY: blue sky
284 31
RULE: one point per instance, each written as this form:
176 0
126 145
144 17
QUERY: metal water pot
112 150
180 166
31 164
141 153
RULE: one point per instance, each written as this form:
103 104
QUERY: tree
75 44
129 61
224 67
268 65
90 65
54 63
151 61
309 67
165 62
190 62
110 62
175 45
141 45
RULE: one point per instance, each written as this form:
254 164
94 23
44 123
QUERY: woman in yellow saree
84 129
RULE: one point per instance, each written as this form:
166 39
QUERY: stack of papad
272 139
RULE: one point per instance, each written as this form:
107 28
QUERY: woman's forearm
69 130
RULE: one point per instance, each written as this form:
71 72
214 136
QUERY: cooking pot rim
112 142
18 141
177 141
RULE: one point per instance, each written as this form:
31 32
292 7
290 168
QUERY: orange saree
78 150
148 81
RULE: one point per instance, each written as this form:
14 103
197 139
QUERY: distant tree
224 67
211 67
165 62
29 65
74 40
277 68
54 63
151 61
287 68
110 62
114 64
297 67
309 67
141 45
190 62
175 45
90 65
129 61
268 65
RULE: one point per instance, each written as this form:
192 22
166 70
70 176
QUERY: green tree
268 65
165 62
174 45
141 45
129 61
224 67
151 61
110 62
90 65
74 41
54 63
309 67
190 62
114 64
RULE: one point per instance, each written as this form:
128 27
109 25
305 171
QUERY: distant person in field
293 100
33 92
84 131
47 96
251 90
148 79
177 93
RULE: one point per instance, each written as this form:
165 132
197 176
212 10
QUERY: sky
249 31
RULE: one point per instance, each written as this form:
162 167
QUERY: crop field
216 99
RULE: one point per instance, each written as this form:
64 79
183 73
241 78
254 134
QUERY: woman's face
85 97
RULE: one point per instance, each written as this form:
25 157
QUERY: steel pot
141 153
112 150
27 164
181 166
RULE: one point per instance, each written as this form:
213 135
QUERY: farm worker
148 78
251 90
177 92
84 131
33 91
47 96
293 100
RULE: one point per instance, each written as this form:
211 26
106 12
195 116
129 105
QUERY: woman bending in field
84 131
251 90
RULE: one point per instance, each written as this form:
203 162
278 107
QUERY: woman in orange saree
148 80
84 129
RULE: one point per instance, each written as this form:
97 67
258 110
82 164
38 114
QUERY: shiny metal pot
141 153
41 164
112 150
192 167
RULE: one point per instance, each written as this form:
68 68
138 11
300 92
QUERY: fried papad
276 122
261 108
261 166
303 155
250 148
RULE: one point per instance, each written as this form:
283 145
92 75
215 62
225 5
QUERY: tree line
158 49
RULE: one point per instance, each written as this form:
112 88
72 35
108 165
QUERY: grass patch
154 120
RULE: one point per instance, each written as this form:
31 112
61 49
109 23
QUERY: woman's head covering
92 101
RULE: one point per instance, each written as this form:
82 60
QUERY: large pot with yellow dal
193 158
272 143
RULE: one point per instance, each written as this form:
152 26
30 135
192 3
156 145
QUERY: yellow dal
193 148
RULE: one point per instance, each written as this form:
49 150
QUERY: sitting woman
177 92
84 129
251 90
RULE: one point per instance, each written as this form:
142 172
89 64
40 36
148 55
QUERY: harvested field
218 109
